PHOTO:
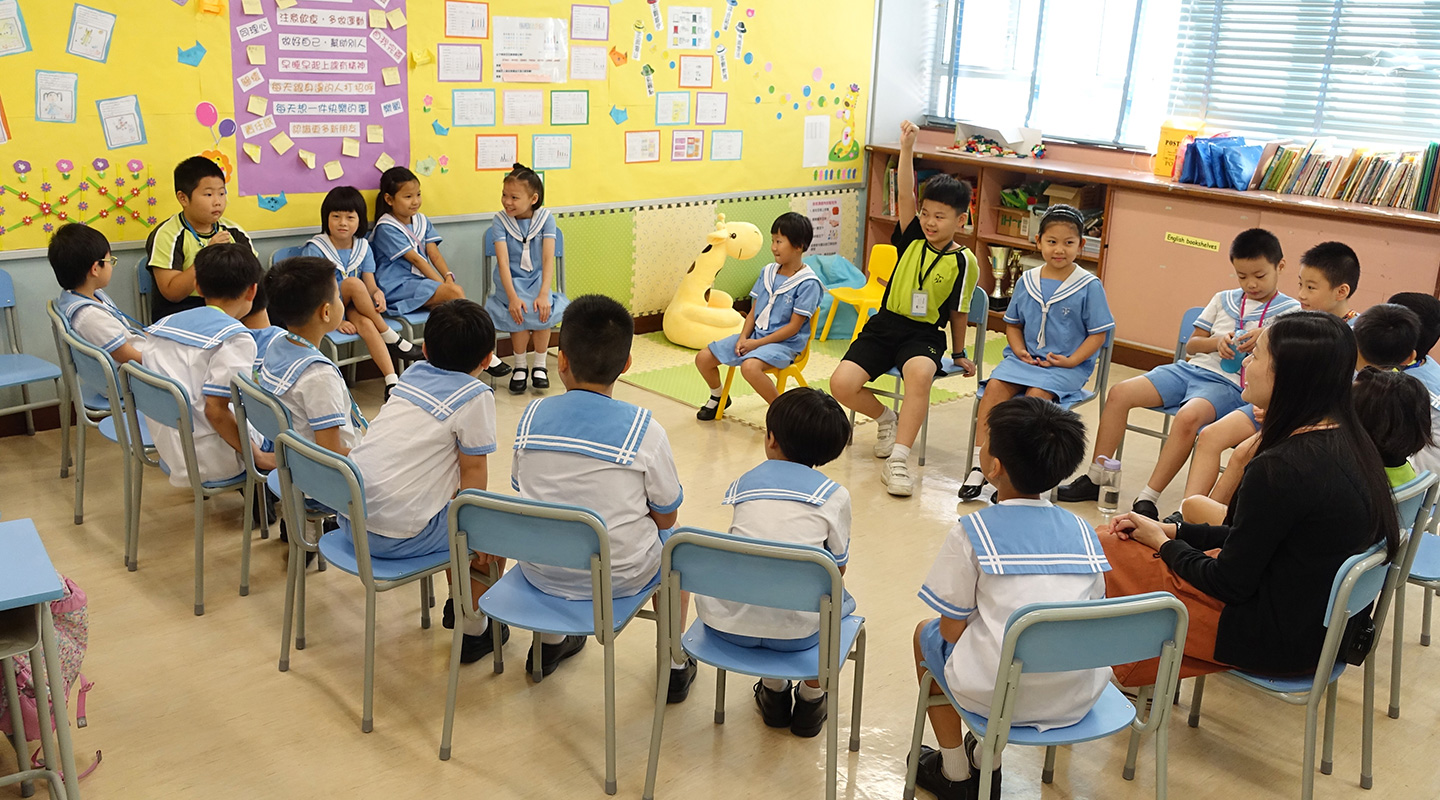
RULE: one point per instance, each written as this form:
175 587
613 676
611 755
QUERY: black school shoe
474 648
929 777
970 744
1080 490
1175 519
539 379
1146 508
499 370
706 413
680 680
971 491
517 381
447 616
774 706
402 358
552 654
809 716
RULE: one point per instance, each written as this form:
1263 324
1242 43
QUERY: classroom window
1109 71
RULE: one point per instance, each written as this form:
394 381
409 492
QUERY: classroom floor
194 707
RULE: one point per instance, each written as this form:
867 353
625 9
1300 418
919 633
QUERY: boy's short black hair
794 227
261 301
1257 243
949 190
1386 335
1337 262
1394 409
343 198
596 338
226 271
809 426
459 336
189 172
1039 442
299 285
1427 309
73 250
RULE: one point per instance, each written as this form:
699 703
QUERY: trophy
999 266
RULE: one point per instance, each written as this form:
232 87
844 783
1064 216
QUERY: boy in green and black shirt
932 285
171 249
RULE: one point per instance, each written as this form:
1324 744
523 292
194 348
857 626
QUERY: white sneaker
885 437
895 474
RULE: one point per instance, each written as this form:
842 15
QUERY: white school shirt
203 373
792 521
1222 315
959 588
410 458
310 388
100 326
622 496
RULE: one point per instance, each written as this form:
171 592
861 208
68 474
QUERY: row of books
1405 180
890 205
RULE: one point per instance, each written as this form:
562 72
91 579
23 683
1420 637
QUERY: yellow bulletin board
780 106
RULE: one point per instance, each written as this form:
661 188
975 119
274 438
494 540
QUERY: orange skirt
1136 569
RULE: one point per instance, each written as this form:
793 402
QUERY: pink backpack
72 632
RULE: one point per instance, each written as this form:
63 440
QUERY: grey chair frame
1425 522
28 406
243 391
1182 338
85 417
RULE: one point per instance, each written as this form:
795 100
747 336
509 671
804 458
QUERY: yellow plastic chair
780 376
883 258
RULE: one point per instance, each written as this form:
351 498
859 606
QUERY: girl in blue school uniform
1056 323
408 266
523 302
778 326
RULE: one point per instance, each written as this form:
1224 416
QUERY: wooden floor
194 707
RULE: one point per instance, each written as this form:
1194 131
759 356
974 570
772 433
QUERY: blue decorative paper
440 129
619 114
272 203
192 56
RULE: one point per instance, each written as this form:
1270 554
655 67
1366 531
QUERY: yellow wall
789 40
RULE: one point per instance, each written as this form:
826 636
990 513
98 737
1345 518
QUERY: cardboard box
1079 197
1012 222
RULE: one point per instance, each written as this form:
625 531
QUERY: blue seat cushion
339 550
107 429
1111 714
516 601
94 401
1427 560
313 510
1292 685
702 643
20 369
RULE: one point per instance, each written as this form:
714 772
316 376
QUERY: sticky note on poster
422 57
257 105
281 143
350 147
252 8
1191 241
391 75
282 4
384 162
253 150
377 18
307 157
375 134
333 170
396 17
256 54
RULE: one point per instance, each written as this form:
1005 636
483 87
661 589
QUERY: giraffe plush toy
699 313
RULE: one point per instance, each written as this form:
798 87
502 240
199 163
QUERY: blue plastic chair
539 533
1063 637
93 407
336 342
18 369
771 574
144 285
979 318
1358 583
490 279
1187 329
1415 507
257 408
308 470
165 402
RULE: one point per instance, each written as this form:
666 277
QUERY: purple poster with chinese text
319 95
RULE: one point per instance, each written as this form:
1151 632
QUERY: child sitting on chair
778 327
307 305
203 349
429 441
1056 322
585 448
1021 550
522 302
1204 388
786 499
80 256
257 323
1424 368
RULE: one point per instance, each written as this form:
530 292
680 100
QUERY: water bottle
1236 362
1109 502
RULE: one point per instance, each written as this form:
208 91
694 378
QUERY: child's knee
753 368
919 632
706 359
352 285
448 292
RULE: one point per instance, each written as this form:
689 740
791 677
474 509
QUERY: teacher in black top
1314 495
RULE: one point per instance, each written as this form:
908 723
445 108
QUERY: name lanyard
357 418
185 223
919 300
1263 312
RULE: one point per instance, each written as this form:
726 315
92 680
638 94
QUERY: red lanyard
1241 327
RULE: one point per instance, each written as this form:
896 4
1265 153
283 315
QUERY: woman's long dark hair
1313 357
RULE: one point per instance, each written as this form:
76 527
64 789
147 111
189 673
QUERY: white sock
975 478
1096 472
953 763
392 379
809 693
1148 494
519 359
476 627
714 401
552 638
900 453
775 684
389 336
887 417
494 361
681 665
